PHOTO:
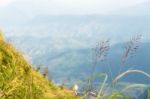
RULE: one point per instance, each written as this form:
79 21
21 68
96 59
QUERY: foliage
148 91
19 81
117 95
100 52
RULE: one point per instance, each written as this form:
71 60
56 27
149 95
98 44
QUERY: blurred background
59 34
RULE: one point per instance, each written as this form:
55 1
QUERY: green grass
18 80
117 95
148 96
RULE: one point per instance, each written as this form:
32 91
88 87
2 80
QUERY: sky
21 11
37 7
5 2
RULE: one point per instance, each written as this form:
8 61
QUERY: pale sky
36 7
14 12
4 3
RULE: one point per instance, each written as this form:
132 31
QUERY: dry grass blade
99 96
128 72
134 86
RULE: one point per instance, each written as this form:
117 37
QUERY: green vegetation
117 95
100 54
148 97
18 80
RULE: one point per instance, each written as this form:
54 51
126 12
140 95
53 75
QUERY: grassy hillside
19 81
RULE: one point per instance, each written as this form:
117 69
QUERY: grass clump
111 91
19 81
118 95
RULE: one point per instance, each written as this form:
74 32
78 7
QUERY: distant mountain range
82 28
64 42
75 64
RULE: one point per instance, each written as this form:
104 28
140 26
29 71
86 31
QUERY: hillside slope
19 81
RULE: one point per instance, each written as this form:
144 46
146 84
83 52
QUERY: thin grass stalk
102 87
128 72
99 54
110 71
133 86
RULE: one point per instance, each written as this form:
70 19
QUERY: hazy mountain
75 64
82 28
64 42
